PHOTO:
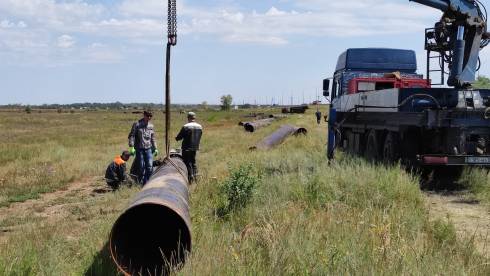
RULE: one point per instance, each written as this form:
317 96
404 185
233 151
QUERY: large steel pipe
261 120
153 235
278 137
253 126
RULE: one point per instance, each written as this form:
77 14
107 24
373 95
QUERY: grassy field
298 216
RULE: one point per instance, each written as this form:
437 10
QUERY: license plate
477 160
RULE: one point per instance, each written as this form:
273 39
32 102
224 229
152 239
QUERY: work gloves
132 151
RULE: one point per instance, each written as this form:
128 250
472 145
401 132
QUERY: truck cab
362 70
383 109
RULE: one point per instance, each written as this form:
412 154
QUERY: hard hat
191 115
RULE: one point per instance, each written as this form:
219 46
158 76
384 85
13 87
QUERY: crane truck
383 110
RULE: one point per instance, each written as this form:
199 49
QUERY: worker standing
142 144
318 115
190 134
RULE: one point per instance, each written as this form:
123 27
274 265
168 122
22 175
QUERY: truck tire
409 149
350 142
391 148
371 153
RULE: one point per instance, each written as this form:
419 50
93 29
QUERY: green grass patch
237 191
288 211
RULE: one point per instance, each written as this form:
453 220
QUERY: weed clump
237 191
444 233
477 181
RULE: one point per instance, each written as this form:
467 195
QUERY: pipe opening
150 239
249 127
301 130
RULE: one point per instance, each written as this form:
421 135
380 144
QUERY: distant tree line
111 106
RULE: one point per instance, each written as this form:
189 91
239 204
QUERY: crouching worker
115 174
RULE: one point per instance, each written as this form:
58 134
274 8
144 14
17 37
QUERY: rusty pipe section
278 137
253 126
271 116
153 235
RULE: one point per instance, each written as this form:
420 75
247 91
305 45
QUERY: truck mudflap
454 160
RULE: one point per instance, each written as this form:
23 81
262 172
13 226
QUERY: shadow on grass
102 264
441 179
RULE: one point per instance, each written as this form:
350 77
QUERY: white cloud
6 24
232 17
51 12
65 41
22 24
142 22
269 40
273 11
101 53
154 8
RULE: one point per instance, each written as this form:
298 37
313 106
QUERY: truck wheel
409 150
391 151
350 142
372 149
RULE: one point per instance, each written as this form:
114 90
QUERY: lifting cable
171 41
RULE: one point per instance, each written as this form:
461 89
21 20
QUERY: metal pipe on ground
301 109
153 235
278 137
253 126
271 116
278 116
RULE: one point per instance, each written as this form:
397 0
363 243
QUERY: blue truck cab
383 109
375 64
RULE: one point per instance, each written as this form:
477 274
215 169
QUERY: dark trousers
114 184
189 157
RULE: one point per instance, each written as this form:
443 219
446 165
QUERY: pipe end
150 238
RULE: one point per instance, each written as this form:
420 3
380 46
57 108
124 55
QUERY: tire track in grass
50 207
470 218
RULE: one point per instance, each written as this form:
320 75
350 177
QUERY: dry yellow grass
305 217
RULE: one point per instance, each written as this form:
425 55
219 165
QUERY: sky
259 51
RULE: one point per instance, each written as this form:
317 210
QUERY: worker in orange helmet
115 174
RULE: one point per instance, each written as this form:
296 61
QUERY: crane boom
436 4
458 37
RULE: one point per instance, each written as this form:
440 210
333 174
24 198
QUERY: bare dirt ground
50 207
470 218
